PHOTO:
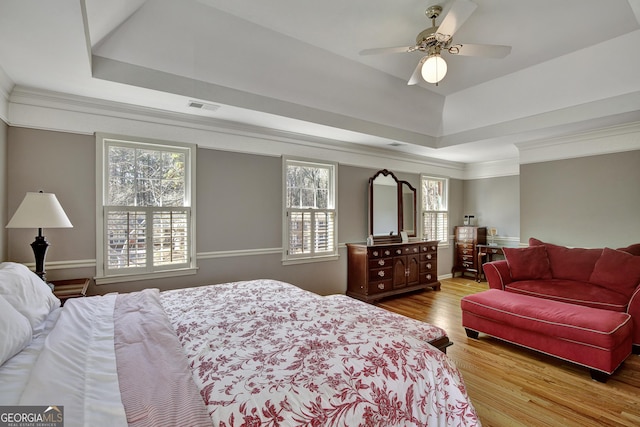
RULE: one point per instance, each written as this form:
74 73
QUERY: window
435 202
145 191
310 219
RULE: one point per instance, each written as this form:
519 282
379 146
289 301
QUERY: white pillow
26 292
15 331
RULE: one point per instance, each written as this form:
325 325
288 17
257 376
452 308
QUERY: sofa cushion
618 271
528 263
632 249
570 291
569 263
602 328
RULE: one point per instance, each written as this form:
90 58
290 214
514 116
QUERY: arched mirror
392 206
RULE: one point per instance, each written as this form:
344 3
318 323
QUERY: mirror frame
399 202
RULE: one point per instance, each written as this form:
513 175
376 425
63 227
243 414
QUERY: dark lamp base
39 247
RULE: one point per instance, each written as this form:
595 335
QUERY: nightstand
72 288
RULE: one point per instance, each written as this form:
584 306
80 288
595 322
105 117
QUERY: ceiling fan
439 38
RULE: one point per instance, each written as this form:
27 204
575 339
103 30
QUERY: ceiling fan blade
460 11
484 50
380 50
417 73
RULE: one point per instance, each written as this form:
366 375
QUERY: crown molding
607 140
493 169
76 114
6 84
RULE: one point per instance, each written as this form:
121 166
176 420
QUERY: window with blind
310 229
435 213
147 223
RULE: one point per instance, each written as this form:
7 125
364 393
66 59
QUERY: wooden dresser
466 253
383 270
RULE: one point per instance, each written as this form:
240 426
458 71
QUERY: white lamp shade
40 210
434 69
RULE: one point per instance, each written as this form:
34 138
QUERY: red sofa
606 278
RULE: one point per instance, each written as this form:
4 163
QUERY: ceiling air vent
203 105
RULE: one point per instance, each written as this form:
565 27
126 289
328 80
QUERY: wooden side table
489 251
71 288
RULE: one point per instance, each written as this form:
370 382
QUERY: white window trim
306 258
443 244
102 277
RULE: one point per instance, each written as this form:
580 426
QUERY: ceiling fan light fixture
434 69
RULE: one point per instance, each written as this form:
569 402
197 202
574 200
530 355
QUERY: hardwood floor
512 386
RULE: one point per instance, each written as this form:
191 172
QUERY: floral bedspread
266 353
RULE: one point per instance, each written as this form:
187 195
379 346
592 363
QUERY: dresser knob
433 248
398 251
429 265
375 253
415 250
380 285
387 252
429 256
381 262
428 277
381 273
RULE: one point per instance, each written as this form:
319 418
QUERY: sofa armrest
634 310
497 274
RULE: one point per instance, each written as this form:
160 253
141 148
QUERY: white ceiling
294 66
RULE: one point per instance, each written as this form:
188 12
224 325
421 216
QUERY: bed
252 353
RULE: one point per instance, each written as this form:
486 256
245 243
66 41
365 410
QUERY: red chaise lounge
595 338
582 305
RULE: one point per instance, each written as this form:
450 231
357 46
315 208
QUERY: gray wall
58 163
587 202
239 207
495 202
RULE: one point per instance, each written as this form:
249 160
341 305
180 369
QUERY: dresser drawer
425 247
465 245
428 277
376 263
429 257
466 257
468 264
465 252
381 252
428 266
385 273
378 286
410 250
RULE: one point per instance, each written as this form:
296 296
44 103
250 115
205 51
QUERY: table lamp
40 210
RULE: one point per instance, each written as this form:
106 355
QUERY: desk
489 251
